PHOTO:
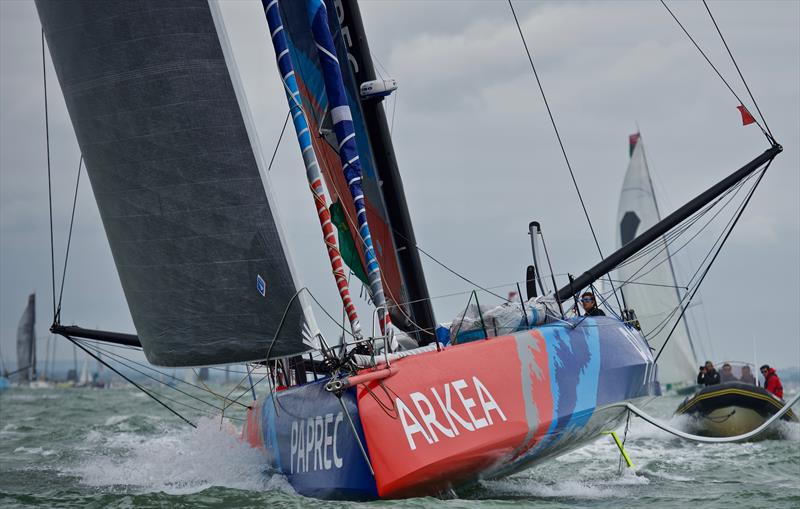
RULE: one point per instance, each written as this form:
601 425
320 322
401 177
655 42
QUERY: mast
360 59
638 243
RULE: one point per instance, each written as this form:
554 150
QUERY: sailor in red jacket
771 381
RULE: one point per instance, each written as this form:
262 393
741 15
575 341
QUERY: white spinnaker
653 304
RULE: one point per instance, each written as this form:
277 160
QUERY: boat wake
586 489
175 462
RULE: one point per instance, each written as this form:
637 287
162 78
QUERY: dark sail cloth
708 378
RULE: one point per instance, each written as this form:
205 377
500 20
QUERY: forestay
653 293
171 152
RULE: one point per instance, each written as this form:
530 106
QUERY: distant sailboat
653 292
26 343
85 380
5 383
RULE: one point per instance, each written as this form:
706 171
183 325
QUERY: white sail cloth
503 319
657 307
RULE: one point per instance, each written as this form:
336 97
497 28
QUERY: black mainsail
161 120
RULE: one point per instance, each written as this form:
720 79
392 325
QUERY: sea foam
177 462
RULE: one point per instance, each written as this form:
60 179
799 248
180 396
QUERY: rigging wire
375 56
278 144
561 144
394 109
394 100
57 317
670 238
49 178
145 391
719 249
768 136
218 396
663 323
738 69
671 261
247 376
235 400
686 225
673 237
677 232
120 358
452 271
667 243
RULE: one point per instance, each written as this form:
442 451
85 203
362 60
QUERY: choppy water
98 448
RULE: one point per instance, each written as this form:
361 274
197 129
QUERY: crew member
708 375
747 377
771 381
590 306
727 374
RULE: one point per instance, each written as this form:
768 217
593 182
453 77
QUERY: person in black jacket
590 306
708 375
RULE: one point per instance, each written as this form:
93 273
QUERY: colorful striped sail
296 18
349 157
286 69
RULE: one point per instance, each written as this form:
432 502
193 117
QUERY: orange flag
747 118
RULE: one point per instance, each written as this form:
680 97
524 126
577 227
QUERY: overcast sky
477 154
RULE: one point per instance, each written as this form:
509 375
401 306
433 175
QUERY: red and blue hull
447 419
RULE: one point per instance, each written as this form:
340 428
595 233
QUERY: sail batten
175 165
